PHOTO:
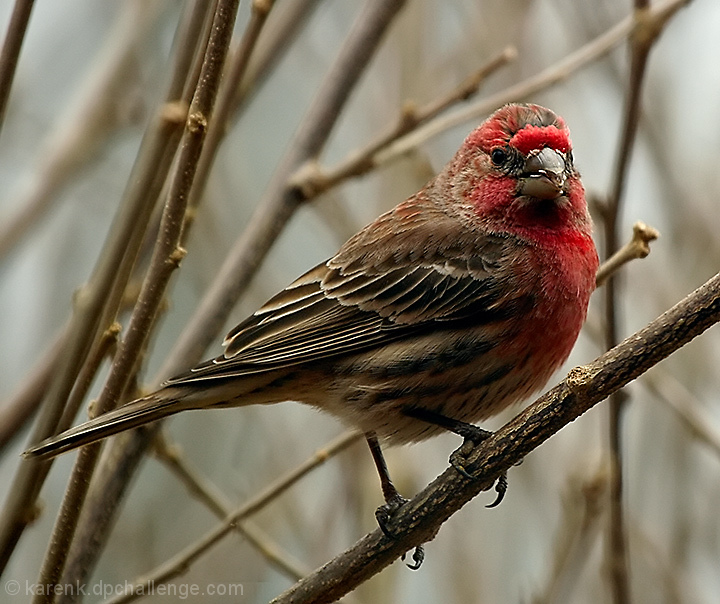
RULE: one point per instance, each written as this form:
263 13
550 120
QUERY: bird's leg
473 436
393 500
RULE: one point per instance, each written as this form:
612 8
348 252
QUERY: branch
313 180
11 50
125 451
637 247
647 27
209 495
585 386
554 74
182 561
280 201
88 123
165 259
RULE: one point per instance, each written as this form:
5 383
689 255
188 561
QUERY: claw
456 461
385 512
418 557
500 488
458 456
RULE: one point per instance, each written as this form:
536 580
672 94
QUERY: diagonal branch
179 563
124 454
584 387
165 258
656 17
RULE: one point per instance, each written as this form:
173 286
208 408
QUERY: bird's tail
137 413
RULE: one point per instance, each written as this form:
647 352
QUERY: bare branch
554 74
11 50
585 386
171 456
165 259
90 120
181 562
124 454
647 27
280 201
637 247
313 180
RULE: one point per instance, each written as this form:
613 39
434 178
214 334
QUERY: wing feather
371 294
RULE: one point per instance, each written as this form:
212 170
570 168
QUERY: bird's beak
543 175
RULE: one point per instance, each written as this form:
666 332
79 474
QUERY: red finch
461 300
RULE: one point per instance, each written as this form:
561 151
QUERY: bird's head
518 172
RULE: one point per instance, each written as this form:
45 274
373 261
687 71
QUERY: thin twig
238 61
171 456
88 122
637 247
125 451
102 349
279 202
99 298
419 520
19 408
554 74
645 33
166 257
179 563
283 27
11 50
312 180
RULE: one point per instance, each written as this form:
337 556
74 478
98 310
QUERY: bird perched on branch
458 302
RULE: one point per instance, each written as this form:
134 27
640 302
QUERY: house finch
461 300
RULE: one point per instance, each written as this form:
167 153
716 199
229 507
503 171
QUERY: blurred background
91 75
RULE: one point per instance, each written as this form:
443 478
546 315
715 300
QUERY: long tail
137 413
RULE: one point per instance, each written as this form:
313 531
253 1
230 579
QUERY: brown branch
125 452
11 50
645 32
280 201
237 64
313 180
25 401
209 495
182 561
419 521
283 27
96 303
554 74
88 123
166 257
637 247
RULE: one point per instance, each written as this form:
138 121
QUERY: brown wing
372 292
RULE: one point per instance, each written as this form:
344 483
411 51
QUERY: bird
460 301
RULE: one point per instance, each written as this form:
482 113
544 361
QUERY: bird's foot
383 515
474 437
386 511
418 557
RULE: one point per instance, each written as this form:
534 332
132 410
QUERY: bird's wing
371 293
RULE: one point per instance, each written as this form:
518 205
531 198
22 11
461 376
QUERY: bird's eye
498 156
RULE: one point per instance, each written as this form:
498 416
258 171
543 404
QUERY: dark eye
498 156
